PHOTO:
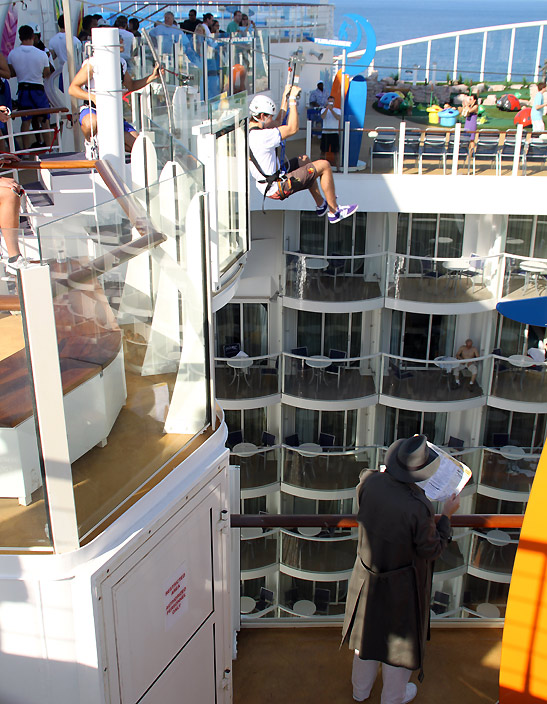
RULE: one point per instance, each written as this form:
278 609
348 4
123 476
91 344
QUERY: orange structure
523 670
336 89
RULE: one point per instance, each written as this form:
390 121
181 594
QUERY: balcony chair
487 148
401 375
292 440
300 364
440 602
268 440
507 149
463 151
321 599
234 438
536 152
500 439
455 443
336 367
326 440
434 147
429 269
265 599
291 596
411 149
384 146
335 267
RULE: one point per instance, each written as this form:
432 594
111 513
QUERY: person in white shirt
207 23
280 179
126 36
57 47
330 139
30 66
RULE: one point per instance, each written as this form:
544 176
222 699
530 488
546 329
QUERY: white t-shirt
263 143
127 38
57 44
329 121
28 63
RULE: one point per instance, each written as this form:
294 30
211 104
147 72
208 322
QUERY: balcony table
240 365
511 452
247 605
304 608
488 610
521 361
456 268
317 264
533 270
251 532
309 449
244 449
309 532
318 364
447 364
514 240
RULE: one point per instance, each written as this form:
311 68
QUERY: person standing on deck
387 607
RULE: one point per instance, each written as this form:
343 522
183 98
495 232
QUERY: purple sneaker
344 211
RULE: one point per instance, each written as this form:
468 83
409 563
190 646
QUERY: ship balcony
258 549
524 277
518 378
507 473
471 282
242 377
259 468
334 279
330 378
492 554
330 470
310 551
411 380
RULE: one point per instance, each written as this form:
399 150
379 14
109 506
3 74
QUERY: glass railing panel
130 301
227 116
494 551
258 466
245 377
524 277
317 554
257 550
440 380
428 279
24 518
510 469
298 597
518 378
455 555
334 278
333 469
325 378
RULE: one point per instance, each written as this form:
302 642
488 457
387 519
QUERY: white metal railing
515 49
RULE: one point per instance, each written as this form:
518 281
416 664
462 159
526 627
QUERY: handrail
54 165
9 303
38 111
347 520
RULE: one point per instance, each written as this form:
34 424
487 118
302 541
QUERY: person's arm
81 79
4 68
292 121
431 538
12 71
131 84
459 353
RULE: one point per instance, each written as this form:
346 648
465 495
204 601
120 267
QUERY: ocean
396 20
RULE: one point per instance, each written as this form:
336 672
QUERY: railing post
400 61
510 60
456 52
518 146
538 55
401 154
483 57
308 137
456 152
346 146
427 61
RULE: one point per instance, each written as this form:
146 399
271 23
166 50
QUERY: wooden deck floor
305 666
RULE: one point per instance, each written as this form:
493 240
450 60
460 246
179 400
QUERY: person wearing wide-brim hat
387 607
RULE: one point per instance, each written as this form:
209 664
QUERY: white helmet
262 104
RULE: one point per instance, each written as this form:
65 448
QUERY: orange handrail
330 520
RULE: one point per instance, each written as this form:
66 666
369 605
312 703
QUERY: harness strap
268 179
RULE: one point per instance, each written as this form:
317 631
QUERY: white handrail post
346 146
456 52
427 61
518 146
401 154
308 138
538 55
400 61
483 57
456 152
510 60
11 138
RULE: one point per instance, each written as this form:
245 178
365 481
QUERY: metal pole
308 138
427 61
76 134
538 55
346 146
483 57
456 152
510 60
518 146
456 52
401 148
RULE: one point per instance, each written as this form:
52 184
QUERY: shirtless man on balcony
467 352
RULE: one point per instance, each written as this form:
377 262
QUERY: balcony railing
334 278
331 469
245 377
508 470
318 554
258 467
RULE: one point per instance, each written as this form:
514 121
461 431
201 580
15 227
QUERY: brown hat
411 459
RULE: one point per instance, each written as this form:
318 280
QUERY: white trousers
364 674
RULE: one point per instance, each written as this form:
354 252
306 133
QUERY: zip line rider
279 179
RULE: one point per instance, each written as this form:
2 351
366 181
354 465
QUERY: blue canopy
531 311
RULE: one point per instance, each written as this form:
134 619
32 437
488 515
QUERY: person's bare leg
129 140
9 219
89 126
25 127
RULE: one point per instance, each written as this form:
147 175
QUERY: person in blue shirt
537 109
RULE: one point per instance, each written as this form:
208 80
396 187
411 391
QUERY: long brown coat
387 609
